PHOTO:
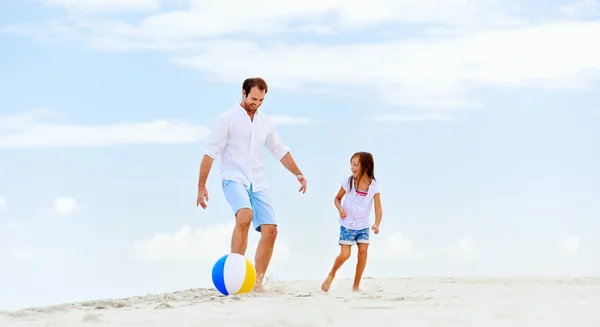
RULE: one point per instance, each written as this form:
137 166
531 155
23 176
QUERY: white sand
443 302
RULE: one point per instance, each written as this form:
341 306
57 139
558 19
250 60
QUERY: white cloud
3 203
398 117
400 245
90 6
27 253
436 68
30 130
463 249
570 245
581 8
199 246
209 19
421 72
206 18
65 205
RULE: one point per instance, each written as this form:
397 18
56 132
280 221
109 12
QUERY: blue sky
483 118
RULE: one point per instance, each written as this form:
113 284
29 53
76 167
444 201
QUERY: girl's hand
375 228
342 213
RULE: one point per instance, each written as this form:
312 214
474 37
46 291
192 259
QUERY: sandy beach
408 302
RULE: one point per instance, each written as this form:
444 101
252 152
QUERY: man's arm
280 151
216 142
205 166
289 163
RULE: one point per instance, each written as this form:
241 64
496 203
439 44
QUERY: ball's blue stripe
218 274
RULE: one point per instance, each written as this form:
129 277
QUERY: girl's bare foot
327 283
355 288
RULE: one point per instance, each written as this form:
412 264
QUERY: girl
361 191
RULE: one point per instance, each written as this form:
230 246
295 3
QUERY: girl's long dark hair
367 168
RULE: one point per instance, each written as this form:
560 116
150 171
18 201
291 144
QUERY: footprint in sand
92 317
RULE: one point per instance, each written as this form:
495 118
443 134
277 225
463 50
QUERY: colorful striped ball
233 274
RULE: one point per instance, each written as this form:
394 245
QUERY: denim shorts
351 236
239 197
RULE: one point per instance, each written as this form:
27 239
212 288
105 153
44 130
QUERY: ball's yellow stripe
250 279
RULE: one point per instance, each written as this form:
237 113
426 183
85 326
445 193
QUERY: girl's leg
339 261
361 263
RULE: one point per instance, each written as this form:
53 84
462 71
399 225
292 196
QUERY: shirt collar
243 111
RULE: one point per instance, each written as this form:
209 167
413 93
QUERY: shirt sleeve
375 186
218 137
274 143
346 184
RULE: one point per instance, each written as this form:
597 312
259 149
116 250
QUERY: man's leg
239 237
264 221
239 200
264 252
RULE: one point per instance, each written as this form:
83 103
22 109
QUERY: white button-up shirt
358 205
240 141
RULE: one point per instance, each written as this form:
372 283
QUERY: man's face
254 99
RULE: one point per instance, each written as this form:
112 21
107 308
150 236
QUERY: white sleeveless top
358 205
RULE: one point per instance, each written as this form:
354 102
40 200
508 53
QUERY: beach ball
233 274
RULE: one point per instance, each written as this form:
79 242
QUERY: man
238 136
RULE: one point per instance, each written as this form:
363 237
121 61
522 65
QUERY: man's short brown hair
258 82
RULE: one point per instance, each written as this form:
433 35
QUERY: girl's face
355 166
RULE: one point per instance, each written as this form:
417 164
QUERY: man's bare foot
355 289
327 283
259 289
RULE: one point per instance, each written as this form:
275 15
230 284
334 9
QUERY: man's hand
302 181
375 228
202 197
342 213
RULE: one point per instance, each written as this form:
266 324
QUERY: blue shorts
351 236
239 197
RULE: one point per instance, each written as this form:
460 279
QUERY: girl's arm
378 210
337 201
